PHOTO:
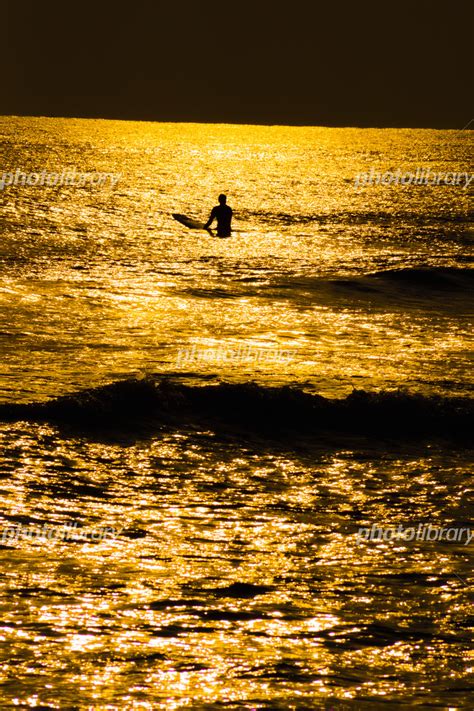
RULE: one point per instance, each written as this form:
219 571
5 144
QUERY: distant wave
359 217
437 277
421 278
410 286
270 411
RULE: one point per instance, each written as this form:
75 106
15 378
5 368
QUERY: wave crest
271 411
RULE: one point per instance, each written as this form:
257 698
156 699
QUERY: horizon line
237 123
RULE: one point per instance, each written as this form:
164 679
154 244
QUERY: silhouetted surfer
223 214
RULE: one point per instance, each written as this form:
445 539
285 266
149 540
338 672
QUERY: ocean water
232 412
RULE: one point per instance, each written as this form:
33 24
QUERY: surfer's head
222 199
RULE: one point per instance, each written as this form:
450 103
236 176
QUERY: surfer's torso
223 215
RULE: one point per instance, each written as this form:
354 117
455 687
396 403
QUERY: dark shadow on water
263 417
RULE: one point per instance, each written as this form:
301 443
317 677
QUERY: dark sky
360 63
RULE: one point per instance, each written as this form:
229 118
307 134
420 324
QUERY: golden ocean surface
235 473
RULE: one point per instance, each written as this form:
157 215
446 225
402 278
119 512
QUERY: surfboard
189 222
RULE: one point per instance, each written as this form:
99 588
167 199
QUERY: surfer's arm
211 219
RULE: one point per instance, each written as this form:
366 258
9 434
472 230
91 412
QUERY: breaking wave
269 411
